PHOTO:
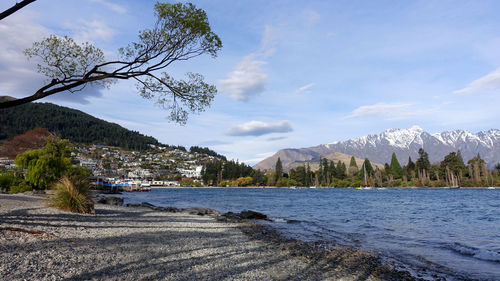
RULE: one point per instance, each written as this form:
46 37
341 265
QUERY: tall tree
352 163
423 160
353 167
298 175
367 165
476 170
341 171
278 170
181 32
395 167
411 165
409 169
497 167
308 178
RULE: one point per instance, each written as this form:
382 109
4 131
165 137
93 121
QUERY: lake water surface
451 233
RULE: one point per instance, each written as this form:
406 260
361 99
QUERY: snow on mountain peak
416 128
403 138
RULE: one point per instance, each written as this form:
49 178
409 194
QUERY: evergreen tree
476 170
353 163
341 171
308 178
332 170
395 167
369 169
279 170
387 168
298 175
258 177
423 161
460 159
410 166
353 168
325 177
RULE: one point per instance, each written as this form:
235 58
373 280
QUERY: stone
110 200
252 215
201 211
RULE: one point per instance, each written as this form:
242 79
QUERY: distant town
157 166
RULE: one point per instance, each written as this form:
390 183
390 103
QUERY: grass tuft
72 196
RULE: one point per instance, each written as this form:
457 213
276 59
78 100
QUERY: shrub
46 165
8 180
224 183
21 187
73 196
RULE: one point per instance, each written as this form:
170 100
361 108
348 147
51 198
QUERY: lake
453 233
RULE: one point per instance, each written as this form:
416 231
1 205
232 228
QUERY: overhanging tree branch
15 8
181 32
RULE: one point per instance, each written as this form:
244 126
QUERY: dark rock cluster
226 217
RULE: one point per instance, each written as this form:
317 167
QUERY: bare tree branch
15 8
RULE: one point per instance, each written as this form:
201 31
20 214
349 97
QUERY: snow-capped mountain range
405 143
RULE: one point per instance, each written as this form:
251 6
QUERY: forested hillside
70 124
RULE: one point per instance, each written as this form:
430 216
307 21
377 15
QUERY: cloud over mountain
378 109
257 128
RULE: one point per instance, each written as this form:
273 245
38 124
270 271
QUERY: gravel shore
119 243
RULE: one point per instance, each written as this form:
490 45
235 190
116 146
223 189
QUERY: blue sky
290 73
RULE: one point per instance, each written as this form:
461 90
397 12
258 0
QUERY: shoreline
124 243
323 187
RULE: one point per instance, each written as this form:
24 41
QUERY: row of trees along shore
450 172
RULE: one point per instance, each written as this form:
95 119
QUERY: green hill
70 124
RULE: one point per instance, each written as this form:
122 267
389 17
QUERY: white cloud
257 128
19 76
379 109
248 79
276 138
304 88
90 31
18 32
268 42
487 83
213 143
113 6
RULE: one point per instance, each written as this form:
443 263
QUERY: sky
290 74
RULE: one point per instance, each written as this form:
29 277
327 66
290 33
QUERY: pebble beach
119 243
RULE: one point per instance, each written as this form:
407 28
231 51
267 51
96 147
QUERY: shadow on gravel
194 250
114 247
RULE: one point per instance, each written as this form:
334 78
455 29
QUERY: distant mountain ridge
404 142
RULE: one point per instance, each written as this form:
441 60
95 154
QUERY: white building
191 173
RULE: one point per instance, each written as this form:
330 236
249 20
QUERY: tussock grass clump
72 196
